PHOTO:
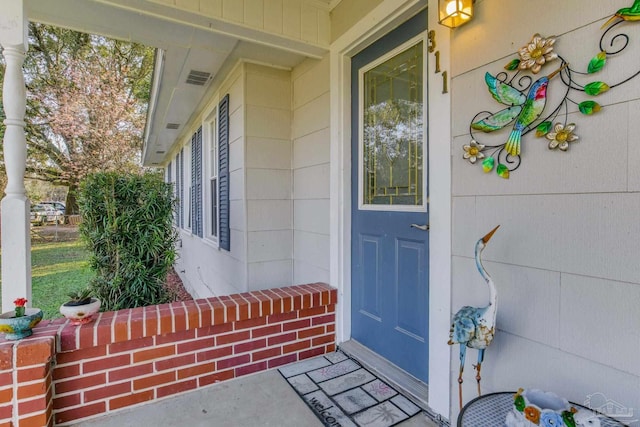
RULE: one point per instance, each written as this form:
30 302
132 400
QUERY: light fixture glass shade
453 13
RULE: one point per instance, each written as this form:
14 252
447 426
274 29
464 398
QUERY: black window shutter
181 188
197 182
223 172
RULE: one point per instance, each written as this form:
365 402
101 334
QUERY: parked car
42 213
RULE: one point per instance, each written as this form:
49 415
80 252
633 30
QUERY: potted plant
18 323
81 307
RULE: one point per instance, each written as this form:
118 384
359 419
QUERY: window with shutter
196 183
223 173
180 182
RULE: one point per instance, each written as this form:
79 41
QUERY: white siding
268 177
204 269
310 133
565 259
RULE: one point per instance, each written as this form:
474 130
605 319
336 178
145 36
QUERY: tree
87 98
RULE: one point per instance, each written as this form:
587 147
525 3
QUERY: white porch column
16 240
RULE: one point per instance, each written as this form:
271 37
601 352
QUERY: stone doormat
343 393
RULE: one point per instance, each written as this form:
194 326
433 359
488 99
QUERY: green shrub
127 225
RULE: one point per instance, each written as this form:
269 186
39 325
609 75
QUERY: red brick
107 391
106 363
206 312
6 412
103 328
242 308
80 383
121 347
175 337
32 390
279 361
66 371
80 412
329 318
177 388
279 339
68 339
121 326
33 373
175 362
266 354
136 325
215 353
254 304
166 320
233 361
179 316
330 348
282 317
250 346
265 304
155 380
6 356
34 352
66 401
86 335
296 346
31 406
250 323
154 353
231 310
331 327
151 321
216 377
197 370
193 314
132 372
298 324
218 311
306 333
130 399
311 353
267 330
6 378
83 354
250 369
35 421
233 337
196 345
6 395
323 340
310 312
215 330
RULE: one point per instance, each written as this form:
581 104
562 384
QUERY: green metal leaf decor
543 129
589 107
596 88
513 65
502 171
597 63
487 164
539 103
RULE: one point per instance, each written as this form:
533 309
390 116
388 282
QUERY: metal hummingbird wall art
525 96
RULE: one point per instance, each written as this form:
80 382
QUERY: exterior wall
347 13
565 258
311 144
268 176
306 20
204 269
64 373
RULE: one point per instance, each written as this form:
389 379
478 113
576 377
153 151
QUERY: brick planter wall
64 373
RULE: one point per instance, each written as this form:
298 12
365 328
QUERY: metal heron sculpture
474 327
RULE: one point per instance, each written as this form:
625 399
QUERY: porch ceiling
187 42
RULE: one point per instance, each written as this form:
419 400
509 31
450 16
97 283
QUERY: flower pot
535 407
16 328
80 314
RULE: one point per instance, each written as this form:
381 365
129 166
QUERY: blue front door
389 254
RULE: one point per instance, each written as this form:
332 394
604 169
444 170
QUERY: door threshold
411 387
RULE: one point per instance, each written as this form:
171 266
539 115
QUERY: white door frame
386 16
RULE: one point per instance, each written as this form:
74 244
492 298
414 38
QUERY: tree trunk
71 204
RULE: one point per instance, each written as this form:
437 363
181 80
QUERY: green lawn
57 268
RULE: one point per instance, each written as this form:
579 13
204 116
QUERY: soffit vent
198 78
173 125
160 152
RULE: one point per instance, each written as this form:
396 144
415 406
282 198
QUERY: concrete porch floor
263 399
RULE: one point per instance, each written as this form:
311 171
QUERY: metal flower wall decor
525 97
